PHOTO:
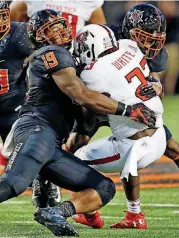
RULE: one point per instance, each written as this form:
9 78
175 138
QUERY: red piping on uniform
103 160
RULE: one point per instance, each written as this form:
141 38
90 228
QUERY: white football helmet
93 40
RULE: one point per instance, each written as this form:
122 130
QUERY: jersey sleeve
52 59
159 63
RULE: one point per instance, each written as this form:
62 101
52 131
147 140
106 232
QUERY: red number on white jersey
4 81
137 72
73 20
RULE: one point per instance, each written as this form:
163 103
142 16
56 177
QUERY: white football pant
125 156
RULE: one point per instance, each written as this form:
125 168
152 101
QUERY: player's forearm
74 88
97 102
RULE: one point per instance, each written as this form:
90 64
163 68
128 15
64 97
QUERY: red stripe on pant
103 160
3 160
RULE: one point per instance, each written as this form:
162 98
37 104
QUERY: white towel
9 145
137 152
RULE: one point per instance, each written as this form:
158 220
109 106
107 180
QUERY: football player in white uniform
123 74
77 12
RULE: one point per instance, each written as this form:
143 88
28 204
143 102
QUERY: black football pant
37 151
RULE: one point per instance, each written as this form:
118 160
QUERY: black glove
138 112
149 90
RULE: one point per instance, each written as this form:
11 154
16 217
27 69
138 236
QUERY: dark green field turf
163 219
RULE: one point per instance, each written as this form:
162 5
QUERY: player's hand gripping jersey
121 75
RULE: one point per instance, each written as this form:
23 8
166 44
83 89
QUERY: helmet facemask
94 41
4 22
82 49
58 31
150 44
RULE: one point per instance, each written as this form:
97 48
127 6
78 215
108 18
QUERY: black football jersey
14 48
157 64
44 96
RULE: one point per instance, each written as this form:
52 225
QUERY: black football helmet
40 32
4 19
145 24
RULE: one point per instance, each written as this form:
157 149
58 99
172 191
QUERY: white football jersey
121 74
77 12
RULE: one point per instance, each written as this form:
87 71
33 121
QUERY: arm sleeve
159 63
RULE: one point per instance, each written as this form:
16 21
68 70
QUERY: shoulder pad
57 48
52 58
159 63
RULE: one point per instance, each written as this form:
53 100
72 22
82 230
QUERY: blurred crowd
114 12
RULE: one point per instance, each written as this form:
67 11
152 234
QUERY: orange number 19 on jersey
50 60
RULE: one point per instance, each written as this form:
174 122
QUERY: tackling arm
73 87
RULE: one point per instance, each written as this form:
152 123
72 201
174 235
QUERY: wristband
123 109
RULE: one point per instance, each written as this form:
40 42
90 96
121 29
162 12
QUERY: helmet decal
94 41
136 17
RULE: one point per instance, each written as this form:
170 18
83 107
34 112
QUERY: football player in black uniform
43 125
14 48
146 25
